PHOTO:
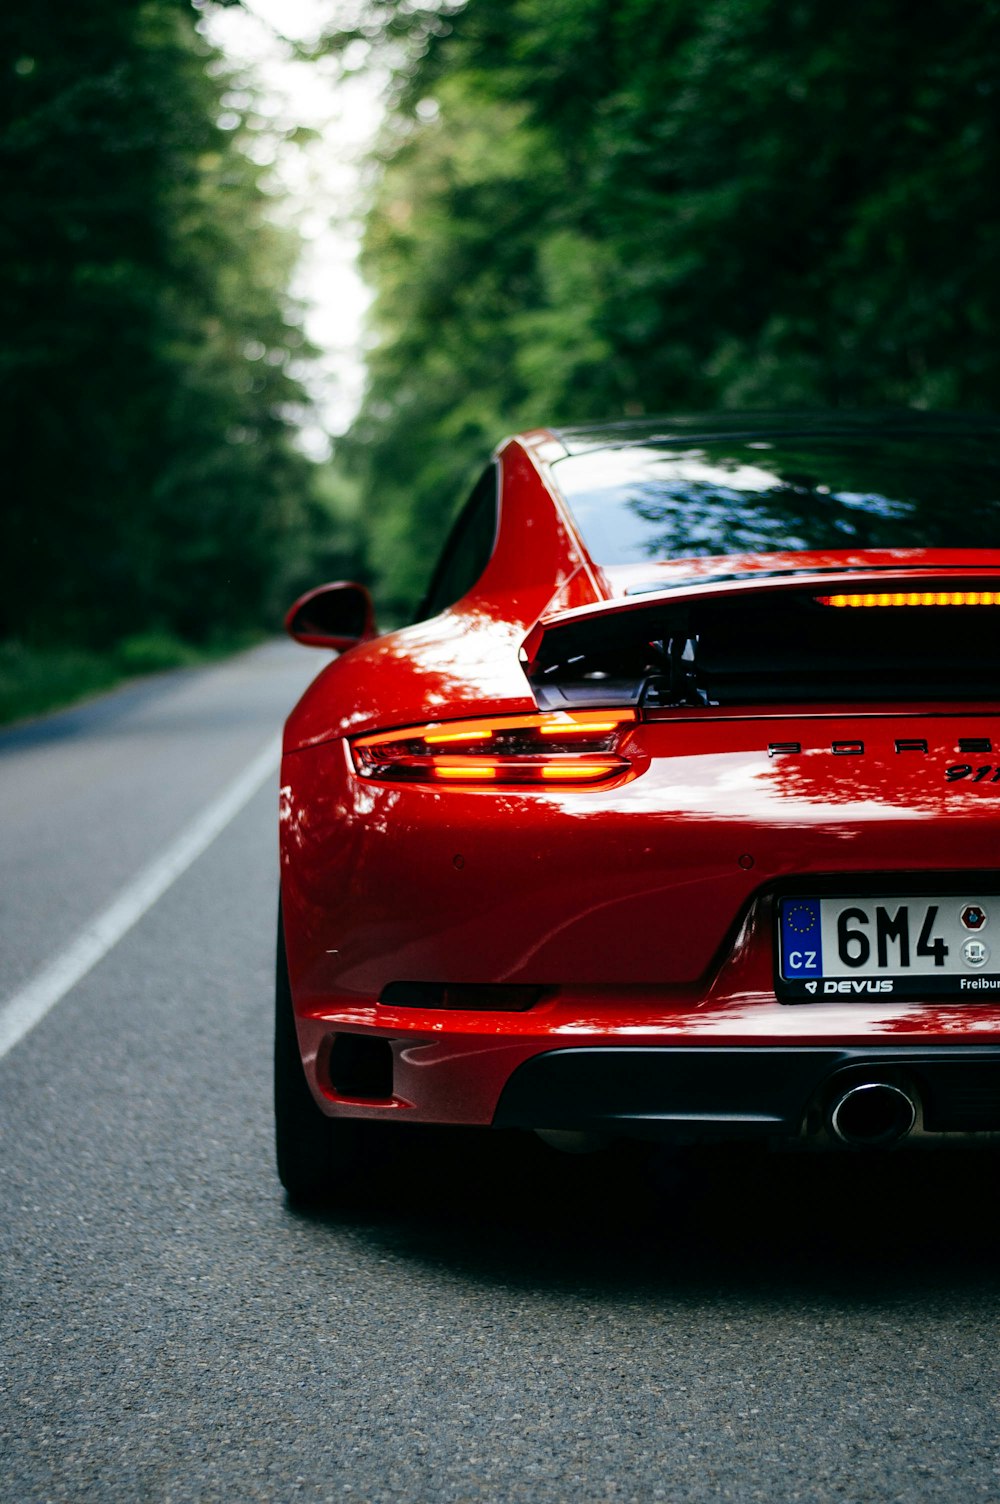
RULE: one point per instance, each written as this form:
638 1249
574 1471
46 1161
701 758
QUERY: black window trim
455 534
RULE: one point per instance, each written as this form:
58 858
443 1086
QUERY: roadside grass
33 680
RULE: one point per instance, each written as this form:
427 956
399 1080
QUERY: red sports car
677 812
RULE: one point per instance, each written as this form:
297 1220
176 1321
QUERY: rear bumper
698 1074
694 1095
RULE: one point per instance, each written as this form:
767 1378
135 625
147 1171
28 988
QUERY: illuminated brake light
569 747
511 771
915 598
435 738
577 772
466 772
590 728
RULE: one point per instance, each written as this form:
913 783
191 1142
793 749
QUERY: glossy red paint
877 562
465 660
633 904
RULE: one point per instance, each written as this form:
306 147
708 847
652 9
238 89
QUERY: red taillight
559 747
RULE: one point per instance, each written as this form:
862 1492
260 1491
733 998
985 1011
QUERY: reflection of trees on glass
710 502
698 519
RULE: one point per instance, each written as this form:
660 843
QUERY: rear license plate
866 948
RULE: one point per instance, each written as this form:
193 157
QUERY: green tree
150 352
668 205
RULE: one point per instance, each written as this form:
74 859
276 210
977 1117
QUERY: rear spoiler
774 639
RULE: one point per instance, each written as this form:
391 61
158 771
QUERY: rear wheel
317 1156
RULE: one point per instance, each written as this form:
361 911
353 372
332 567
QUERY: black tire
318 1157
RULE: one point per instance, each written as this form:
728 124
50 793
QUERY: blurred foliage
585 210
35 679
150 360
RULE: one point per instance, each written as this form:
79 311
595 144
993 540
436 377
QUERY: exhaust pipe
872 1115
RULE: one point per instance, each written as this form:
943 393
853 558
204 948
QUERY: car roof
688 428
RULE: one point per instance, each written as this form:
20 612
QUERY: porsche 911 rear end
728 870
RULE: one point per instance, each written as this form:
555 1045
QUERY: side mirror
332 616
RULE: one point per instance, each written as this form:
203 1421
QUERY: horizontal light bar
511 770
558 723
566 772
554 747
575 727
467 772
915 598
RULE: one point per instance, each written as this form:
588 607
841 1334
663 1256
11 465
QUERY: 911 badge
986 772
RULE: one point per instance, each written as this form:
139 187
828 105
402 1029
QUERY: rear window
646 502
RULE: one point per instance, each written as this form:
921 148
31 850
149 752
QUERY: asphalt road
500 1323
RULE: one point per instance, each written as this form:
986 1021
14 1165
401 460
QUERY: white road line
47 987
